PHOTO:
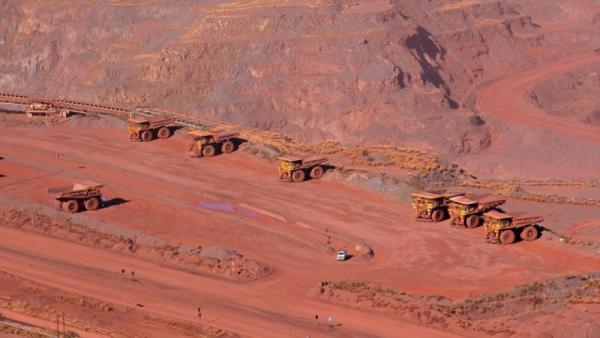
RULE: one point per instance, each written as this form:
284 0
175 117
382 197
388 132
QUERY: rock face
375 71
571 96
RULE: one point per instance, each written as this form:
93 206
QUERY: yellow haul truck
467 211
294 169
432 205
72 198
207 143
504 228
44 109
147 128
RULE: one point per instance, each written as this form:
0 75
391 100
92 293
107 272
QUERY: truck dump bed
313 160
154 121
77 190
225 135
518 219
435 194
219 135
521 219
483 202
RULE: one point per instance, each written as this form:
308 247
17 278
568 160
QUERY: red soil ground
282 225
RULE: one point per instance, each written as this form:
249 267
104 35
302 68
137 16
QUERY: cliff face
356 71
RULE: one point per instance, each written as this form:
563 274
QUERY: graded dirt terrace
506 98
236 201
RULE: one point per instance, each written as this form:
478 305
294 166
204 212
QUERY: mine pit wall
343 70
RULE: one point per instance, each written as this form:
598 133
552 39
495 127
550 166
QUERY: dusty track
507 99
236 201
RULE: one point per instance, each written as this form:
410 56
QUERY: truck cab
137 124
288 165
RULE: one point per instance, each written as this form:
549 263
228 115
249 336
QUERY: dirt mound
218 252
499 313
216 261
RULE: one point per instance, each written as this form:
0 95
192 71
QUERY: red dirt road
236 201
507 99
44 324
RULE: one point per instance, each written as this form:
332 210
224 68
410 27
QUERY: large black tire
472 221
316 172
164 132
437 215
227 147
92 203
298 176
507 237
146 135
530 233
209 150
71 206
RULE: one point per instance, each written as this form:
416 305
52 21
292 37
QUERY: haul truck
86 195
207 143
432 206
503 228
147 128
295 169
468 210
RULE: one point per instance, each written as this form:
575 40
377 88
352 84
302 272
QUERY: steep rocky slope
374 71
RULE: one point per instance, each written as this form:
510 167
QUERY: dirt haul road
507 98
236 201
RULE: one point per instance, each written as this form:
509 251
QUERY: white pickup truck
342 255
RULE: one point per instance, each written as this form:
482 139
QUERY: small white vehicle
342 255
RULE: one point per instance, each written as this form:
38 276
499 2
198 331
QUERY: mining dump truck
467 211
503 228
207 143
78 196
432 205
294 169
43 109
147 128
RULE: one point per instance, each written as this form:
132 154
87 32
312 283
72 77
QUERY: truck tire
437 215
71 206
164 132
208 150
507 237
58 204
472 221
227 147
298 176
530 233
316 172
92 203
146 135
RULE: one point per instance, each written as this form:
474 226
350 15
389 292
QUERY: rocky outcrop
375 71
